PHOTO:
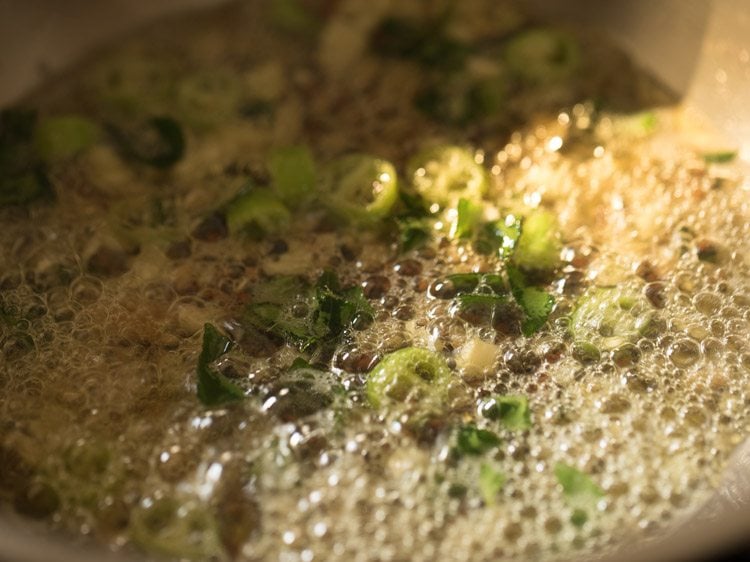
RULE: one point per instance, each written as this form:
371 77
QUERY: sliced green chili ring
608 317
446 174
360 187
409 371
259 212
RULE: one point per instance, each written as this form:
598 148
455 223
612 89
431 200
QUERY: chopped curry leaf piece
499 236
491 481
536 303
468 215
213 387
466 301
473 441
464 282
576 485
720 157
579 517
511 411
307 317
413 233
300 363
336 309
278 320
159 142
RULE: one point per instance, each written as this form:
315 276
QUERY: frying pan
700 49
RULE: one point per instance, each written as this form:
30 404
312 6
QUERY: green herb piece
64 136
457 491
257 212
293 174
159 142
537 304
468 215
412 374
424 43
213 387
720 157
481 283
413 233
607 317
283 306
337 308
579 517
360 188
473 441
300 363
581 492
538 247
499 237
511 411
475 300
576 484
446 174
542 56
491 481
307 317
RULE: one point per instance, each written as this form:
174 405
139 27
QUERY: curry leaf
473 441
577 486
213 387
307 317
499 236
537 304
468 215
491 481
512 411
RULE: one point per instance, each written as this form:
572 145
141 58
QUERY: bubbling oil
102 433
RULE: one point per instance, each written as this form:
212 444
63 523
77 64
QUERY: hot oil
104 299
